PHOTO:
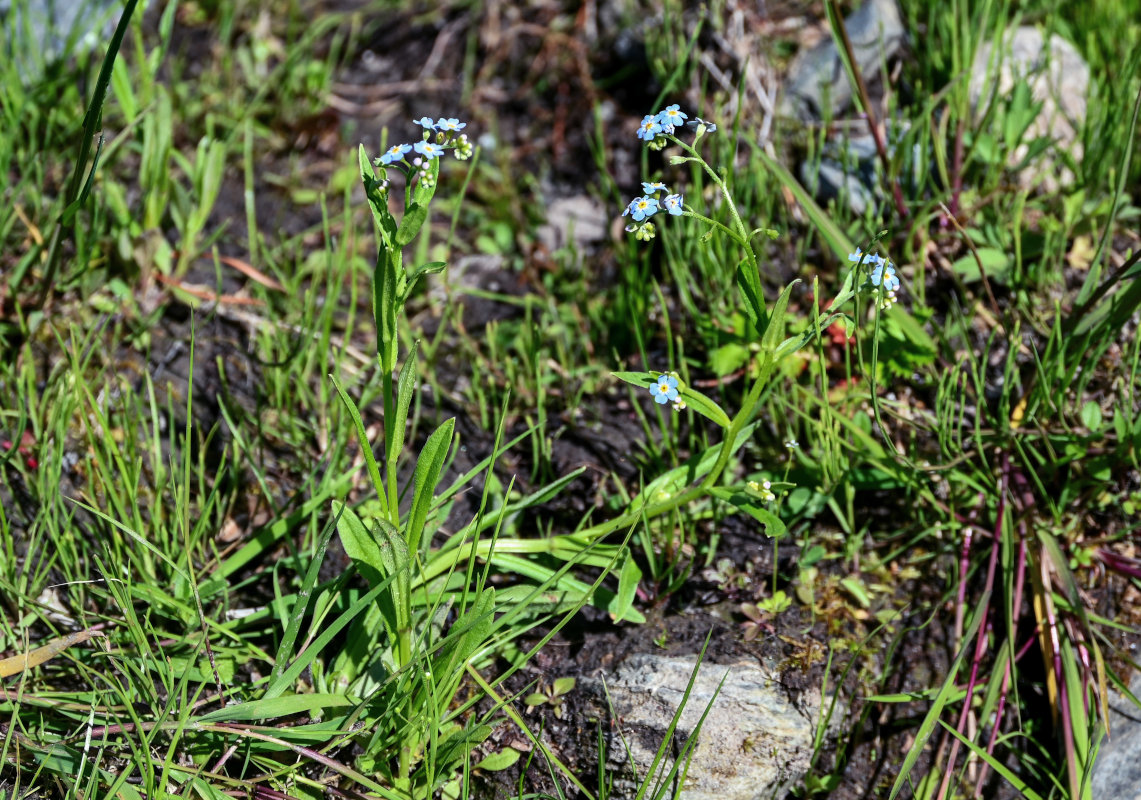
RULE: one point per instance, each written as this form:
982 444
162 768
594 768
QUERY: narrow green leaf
628 580
752 506
431 268
411 223
775 330
366 446
404 387
749 284
1016 783
381 558
828 229
276 708
328 632
694 399
300 605
377 200
427 475
386 306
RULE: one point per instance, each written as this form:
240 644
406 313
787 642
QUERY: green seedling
552 695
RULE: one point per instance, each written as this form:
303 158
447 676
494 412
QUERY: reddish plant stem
981 636
957 172
873 125
1015 613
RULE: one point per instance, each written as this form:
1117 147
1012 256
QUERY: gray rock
1058 78
47 30
1117 771
816 79
755 743
578 221
850 169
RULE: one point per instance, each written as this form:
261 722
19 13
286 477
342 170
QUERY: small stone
1058 78
817 78
52 24
1117 770
755 742
578 221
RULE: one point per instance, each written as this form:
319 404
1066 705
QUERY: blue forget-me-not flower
641 207
664 389
650 128
672 204
450 125
884 275
429 150
425 122
395 153
652 188
671 117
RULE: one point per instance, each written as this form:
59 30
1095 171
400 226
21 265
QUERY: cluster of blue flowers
447 137
654 128
644 207
882 275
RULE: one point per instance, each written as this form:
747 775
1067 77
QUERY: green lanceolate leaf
623 600
366 446
427 475
410 225
775 329
749 282
694 399
274 708
704 406
386 306
774 528
828 229
377 199
467 637
431 268
404 387
380 555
